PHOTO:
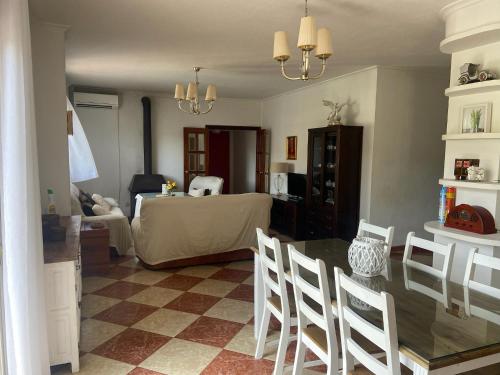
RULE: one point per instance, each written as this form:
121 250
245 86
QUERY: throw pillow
99 210
87 209
101 201
112 202
86 198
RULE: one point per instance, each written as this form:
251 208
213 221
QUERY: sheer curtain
81 161
23 283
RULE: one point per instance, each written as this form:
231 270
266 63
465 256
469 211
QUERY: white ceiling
152 44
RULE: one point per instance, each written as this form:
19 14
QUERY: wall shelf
476 37
435 227
473 88
469 184
473 136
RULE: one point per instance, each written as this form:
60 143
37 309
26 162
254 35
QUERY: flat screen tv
297 184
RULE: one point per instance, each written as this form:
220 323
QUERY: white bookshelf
469 184
473 88
472 38
471 136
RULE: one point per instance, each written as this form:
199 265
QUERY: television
297 184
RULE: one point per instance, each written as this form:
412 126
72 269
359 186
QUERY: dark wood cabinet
333 181
287 216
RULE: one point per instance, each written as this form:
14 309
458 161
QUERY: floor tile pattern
192 320
188 321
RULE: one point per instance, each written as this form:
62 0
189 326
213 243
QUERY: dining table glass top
436 319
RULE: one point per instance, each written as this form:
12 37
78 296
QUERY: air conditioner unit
85 99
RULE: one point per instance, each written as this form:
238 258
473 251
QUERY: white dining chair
276 299
446 251
490 263
386 338
366 229
441 296
316 331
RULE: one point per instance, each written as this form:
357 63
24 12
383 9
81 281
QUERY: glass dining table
443 328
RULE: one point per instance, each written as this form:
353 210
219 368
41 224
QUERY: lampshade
179 92
324 49
211 93
281 49
192 91
307 33
279 168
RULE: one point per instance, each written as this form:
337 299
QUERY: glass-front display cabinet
334 179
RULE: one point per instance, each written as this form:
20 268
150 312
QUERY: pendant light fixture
309 39
192 96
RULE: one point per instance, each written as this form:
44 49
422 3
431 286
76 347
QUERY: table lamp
279 168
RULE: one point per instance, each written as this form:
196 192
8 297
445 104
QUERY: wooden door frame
256 129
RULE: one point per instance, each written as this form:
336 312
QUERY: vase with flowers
168 188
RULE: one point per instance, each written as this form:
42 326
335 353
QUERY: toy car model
470 73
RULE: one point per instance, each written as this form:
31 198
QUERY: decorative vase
366 256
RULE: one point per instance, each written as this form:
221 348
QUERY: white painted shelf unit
469 184
473 88
473 136
436 227
475 37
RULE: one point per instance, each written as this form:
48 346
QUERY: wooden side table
95 248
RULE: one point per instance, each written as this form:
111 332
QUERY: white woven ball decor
366 256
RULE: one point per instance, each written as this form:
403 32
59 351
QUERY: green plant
475 117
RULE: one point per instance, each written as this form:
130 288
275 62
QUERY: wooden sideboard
63 294
287 216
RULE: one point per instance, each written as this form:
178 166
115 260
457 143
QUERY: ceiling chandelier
309 39
192 96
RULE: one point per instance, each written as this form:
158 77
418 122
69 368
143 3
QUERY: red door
219 157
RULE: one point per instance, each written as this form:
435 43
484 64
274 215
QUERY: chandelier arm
323 68
283 73
179 104
210 106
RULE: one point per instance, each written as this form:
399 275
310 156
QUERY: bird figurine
334 117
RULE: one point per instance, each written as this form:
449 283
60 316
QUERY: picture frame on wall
475 118
291 148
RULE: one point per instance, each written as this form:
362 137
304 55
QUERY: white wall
167 132
47 42
294 112
243 161
408 151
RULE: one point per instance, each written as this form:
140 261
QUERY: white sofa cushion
100 210
98 199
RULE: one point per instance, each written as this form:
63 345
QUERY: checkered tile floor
193 320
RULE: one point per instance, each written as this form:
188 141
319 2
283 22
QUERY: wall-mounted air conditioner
85 99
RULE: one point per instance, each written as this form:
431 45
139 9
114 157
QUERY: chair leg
261 340
282 347
300 356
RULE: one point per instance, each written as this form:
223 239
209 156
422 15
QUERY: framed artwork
291 148
476 118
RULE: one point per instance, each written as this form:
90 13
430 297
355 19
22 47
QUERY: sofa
181 231
213 185
120 236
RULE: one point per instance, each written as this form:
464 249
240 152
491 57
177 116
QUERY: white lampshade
324 49
211 93
281 50
179 92
192 91
307 33
279 167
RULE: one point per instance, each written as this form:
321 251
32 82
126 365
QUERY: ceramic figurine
475 173
334 117
470 73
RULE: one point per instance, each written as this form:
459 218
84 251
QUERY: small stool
94 242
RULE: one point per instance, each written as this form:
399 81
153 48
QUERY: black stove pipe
148 157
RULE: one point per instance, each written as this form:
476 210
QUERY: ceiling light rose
309 39
192 96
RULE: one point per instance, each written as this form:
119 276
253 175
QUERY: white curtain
81 161
23 284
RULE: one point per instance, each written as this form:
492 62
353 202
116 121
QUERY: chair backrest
440 296
212 183
365 229
476 259
386 338
436 248
306 312
273 272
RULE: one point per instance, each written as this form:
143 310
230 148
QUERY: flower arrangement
168 188
475 119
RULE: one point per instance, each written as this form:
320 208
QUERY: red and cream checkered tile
192 320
